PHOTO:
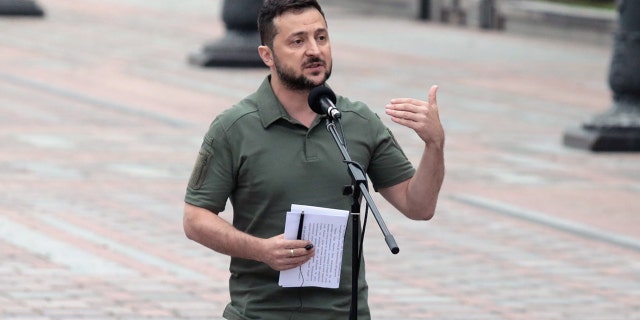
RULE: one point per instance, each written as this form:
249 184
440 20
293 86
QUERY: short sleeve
211 179
389 164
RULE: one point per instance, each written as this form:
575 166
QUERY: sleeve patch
199 173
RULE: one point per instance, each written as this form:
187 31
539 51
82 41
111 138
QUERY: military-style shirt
262 160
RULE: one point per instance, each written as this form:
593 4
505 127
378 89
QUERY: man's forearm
416 198
424 187
210 230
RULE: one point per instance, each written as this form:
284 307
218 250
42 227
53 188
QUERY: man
271 150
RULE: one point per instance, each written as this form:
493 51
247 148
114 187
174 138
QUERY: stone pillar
488 15
617 129
20 8
239 46
425 10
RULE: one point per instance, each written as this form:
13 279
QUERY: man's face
301 49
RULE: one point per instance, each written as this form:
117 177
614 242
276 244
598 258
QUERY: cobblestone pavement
101 119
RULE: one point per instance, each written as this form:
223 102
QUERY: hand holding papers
325 228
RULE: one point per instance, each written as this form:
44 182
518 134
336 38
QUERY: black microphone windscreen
316 94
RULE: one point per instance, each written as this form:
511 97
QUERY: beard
299 83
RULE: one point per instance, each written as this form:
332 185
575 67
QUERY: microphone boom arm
361 186
359 189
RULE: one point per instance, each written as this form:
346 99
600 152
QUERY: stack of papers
325 228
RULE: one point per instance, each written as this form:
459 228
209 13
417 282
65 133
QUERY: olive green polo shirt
263 160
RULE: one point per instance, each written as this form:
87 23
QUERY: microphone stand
358 189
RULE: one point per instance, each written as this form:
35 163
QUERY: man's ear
266 55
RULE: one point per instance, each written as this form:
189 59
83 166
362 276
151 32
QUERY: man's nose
312 48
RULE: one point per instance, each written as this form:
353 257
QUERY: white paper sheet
325 228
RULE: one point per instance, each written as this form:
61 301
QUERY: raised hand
419 115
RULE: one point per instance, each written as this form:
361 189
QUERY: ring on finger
291 252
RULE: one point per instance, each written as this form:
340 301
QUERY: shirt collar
269 107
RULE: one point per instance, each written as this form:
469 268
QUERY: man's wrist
434 145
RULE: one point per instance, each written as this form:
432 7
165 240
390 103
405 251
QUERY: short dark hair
275 8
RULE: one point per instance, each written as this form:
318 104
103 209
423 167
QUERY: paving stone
101 118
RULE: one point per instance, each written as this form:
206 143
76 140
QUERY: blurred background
103 105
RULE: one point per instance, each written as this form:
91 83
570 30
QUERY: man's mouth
313 65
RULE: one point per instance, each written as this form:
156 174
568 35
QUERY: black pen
300 225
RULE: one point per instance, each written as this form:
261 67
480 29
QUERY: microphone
322 101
